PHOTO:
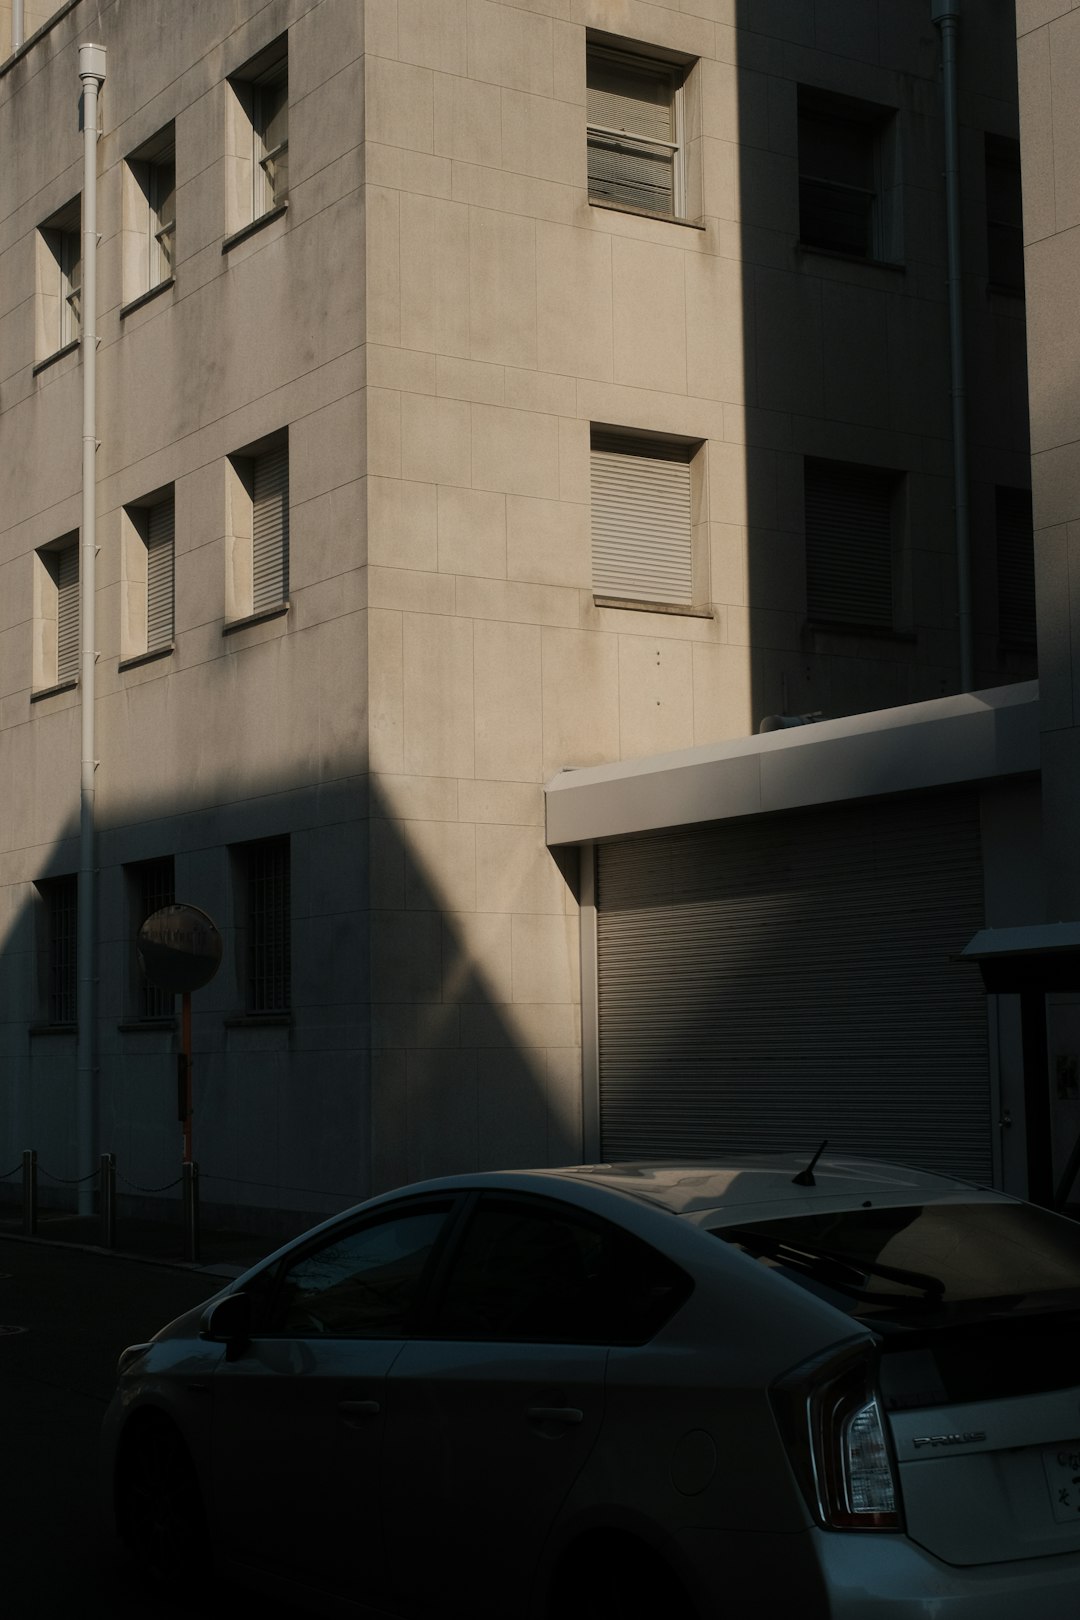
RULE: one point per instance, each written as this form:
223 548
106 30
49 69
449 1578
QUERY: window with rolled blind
270 529
634 140
1015 568
65 571
160 572
642 527
849 544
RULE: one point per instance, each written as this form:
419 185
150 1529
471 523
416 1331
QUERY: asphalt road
78 1311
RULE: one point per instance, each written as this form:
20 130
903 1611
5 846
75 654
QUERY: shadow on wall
850 546
351 1049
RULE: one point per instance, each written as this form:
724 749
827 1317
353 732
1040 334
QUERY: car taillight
830 1415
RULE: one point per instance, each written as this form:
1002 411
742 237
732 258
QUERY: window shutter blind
641 529
1015 568
849 544
160 552
636 167
67 614
621 95
270 530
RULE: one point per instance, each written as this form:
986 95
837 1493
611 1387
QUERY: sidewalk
224 1252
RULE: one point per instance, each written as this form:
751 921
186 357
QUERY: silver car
846 1391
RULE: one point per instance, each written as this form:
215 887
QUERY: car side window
364 1284
529 1270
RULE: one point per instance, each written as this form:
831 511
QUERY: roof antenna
805 1178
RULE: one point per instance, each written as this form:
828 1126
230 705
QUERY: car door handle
554 1414
357 1409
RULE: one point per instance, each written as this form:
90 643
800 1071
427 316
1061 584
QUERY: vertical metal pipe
29 1192
590 1007
18 24
946 14
108 1201
92 75
190 1189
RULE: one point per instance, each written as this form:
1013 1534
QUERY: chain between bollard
68 1181
135 1187
7 1175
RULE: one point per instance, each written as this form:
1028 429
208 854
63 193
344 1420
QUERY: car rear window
947 1260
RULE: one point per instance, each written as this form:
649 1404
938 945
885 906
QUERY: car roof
762 1186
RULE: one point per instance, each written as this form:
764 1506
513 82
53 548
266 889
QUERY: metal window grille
270 529
641 519
1015 569
160 568
632 132
849 565
64 566
1004 214
61 896
156 888
838 186
269 926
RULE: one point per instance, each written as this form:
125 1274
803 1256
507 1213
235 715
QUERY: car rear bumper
833 1576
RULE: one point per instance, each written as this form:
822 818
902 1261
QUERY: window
149 571
258 551
849 193
850 518
536 1271
59 268
56 614
266 925
1015 569
152 886
634 113
642 519
364 1285
1004 215
150 215
261 134
58 949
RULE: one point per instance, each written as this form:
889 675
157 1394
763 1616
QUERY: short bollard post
191 1210
29 1192
108 1201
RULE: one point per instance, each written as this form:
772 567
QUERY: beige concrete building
491 395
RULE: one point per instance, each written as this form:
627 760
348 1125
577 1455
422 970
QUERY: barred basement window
634 113
59 956
268 926
642 529
849 544
153 886
849 194
1015 569
1004 215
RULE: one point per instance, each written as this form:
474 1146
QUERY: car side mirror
228 1319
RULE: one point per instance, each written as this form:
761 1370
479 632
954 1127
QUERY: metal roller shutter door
776 981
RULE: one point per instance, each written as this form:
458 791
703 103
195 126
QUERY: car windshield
919 1260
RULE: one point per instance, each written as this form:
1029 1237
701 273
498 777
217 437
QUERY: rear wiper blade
820 1261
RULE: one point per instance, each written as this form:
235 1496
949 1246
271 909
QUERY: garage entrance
772 981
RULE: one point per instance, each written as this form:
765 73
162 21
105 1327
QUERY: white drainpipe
92 74
946 14
18 26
